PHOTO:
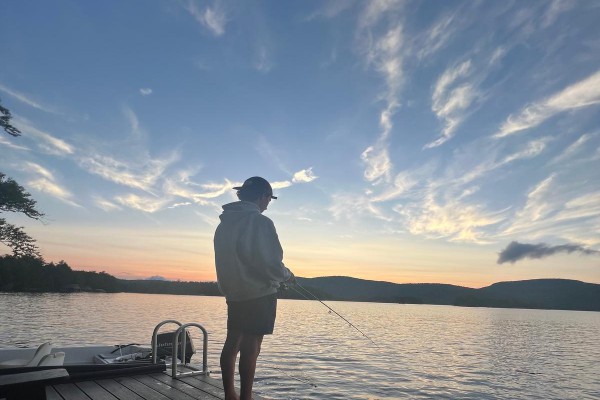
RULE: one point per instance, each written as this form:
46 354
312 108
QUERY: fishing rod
330 309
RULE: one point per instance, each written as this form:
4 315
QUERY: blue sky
409 141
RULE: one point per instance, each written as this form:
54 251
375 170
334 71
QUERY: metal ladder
181 332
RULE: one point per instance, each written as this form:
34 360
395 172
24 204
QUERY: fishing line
330 310
303 380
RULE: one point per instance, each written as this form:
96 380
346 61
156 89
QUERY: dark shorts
256 316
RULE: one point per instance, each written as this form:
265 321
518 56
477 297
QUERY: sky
408 141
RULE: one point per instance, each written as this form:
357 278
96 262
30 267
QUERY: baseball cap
256 185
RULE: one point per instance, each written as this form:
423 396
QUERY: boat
173 349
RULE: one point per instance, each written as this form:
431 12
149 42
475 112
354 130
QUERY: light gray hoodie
248 255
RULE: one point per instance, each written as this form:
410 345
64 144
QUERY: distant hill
23 274
560 294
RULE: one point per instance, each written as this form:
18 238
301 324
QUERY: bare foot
232 396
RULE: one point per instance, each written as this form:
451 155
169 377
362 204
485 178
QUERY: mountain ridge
561 294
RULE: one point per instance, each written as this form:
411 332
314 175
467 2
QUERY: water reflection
424 351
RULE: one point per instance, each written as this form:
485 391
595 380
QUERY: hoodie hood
238 210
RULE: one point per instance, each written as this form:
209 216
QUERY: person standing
250 269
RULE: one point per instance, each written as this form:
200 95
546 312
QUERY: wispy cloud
404 182
145 91
437 36
142 174
496 158
453 219
562 209
304 176
6 142
146 203
199 193
536 207
554 10
45 182
384 54
183 204
213 18
581 94
350 206
450 104
263 61
281 184
136 130
498 55
377 161
27 100
573 148
330 9
47 142
516 251
106 205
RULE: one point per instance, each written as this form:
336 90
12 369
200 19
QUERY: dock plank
164 388
205 387
188 389
118 390
218 384
152 386
52 394
211 381
141 389
95 391
68 391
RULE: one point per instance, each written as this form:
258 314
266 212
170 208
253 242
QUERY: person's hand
292 279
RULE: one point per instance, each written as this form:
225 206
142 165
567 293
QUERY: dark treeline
31 274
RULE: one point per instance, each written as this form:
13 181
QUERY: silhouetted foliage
5 124
14 198
32 274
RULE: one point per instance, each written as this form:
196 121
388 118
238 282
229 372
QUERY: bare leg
231 348
249 351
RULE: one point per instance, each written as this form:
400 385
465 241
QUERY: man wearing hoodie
250 269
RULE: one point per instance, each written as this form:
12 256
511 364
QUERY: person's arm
269 253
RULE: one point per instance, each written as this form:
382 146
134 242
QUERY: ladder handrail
181 329
155 340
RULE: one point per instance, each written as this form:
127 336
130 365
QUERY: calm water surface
423 351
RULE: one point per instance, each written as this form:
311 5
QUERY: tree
14 198
5 117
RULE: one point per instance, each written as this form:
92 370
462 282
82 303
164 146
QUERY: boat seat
43 350
52 360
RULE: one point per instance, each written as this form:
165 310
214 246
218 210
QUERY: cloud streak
47 143
384 54
142 176
584 93
516 251
450 104
142 203
26 100
45 182
212 18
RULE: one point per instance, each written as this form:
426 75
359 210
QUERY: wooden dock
155 386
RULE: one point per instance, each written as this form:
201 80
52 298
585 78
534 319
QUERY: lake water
423 351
